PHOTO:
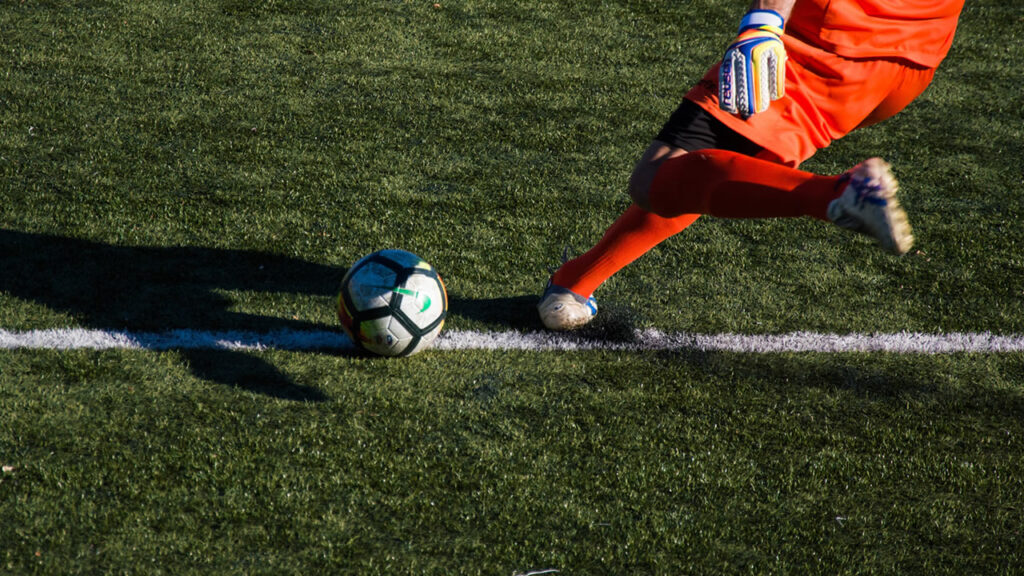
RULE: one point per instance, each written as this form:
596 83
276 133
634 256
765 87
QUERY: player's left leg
730 185
568 302
862 199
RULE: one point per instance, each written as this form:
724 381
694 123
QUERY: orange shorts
827 97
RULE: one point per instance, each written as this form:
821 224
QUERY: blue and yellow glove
753 69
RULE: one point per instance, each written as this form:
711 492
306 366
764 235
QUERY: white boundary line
901 342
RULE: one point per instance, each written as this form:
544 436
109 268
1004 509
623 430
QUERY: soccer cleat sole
878 214
900 239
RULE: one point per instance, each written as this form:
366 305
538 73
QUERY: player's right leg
567 302
562 309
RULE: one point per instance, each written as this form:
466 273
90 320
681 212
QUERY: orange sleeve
920 31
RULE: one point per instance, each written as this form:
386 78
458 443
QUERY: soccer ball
392 303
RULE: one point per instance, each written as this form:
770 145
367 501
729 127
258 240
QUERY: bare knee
645 170
640 183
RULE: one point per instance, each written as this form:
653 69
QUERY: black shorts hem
692 129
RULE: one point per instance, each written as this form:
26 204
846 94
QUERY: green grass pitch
216 165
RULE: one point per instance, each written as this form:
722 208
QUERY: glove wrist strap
759 18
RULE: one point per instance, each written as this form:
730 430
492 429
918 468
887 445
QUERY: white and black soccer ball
392 303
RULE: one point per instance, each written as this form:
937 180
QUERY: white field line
901 342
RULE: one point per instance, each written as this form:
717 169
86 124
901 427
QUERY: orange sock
628 238
731 185
716 182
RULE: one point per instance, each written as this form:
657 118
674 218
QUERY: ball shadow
157 289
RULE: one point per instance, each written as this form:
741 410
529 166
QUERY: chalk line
642 340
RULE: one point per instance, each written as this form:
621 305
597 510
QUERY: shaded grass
595 463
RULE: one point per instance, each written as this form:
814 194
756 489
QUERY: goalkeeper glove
753 71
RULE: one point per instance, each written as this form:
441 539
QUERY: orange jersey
920 31
827 97
851 63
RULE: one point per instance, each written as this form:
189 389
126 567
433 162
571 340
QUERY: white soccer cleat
868 205
563 309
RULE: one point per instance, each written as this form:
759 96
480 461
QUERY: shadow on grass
517 312
156 289
615 323
962 385
248 372
854 372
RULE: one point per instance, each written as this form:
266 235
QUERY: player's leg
634 233
711 181
732 185
567 302
829 96
670 187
